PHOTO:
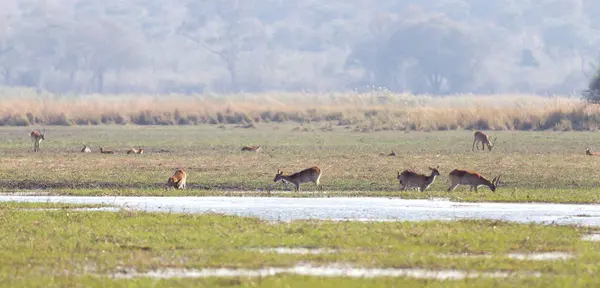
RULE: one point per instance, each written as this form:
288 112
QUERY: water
322 271
344 208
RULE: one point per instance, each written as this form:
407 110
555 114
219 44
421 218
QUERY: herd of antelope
407 179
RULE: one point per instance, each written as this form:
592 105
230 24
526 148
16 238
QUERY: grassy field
62 248
535 166
370 111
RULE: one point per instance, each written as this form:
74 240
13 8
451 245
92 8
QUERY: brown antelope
409 178
106 151
178 179
312 174
484 139
86 149
471 178
251 148
140 150
589 152
37 137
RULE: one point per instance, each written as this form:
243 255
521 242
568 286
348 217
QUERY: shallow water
308 270
345 208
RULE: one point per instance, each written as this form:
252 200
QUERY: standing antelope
37 137
484 139
589 152
312 174
251 148
471 178
177 180
106 151
86 149
140 150
409 178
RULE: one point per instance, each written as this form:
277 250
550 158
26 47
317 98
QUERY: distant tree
443 53
223 28
592 94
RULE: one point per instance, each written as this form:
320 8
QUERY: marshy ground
535 166
65 246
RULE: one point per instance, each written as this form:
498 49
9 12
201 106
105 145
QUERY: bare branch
197 41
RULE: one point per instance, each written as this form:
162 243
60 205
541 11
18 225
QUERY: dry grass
378 110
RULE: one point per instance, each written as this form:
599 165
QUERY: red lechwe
177 180
409 178
312 174
484 139
471 178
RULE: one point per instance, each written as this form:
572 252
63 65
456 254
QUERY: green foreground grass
70 248
535 166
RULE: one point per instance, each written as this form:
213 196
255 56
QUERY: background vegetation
188 46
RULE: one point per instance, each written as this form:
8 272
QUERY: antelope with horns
106 151
251 148
37 137
409 178
312 174
86 149
471 178
589 152
140 150
178 180
484 139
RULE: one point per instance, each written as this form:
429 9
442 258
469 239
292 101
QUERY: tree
592 94
235 32
442 52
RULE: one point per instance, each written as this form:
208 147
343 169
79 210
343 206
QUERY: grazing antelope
589 152
484 139
312 174
409 178
140 150
37 137
471 178
106 151
251 148
178 179
86 149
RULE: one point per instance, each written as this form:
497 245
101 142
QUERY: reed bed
377 110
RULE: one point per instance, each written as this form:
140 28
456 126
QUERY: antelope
471 178
251 148
86 149
391 154
589 152
106 151
312 174
37 137
140 150
409 178
178 179
484 139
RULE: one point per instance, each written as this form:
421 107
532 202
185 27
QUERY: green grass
66 248
47 205
536 166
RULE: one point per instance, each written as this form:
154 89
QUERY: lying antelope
140 150
86 149
589 152
37 137
409 178
391 154
312 174
106 151
178 179
251 148
471 178
484 139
